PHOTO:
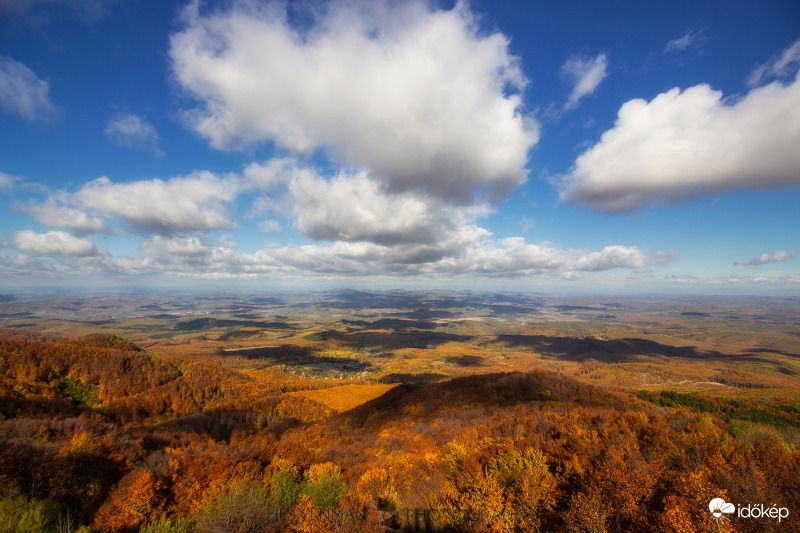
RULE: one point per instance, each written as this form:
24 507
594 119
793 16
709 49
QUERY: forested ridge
97 434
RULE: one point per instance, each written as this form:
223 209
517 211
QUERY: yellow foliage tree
306 517
324 484
377 484
138 498
528 486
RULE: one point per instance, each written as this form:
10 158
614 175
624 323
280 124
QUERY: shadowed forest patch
466 360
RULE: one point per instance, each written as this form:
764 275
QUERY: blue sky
559 146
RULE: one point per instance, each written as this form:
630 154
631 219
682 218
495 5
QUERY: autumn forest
441 411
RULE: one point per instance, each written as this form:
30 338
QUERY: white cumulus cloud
514 257
130 130
53 243
780 255
354 207
508 258
612 257
180 253
7 180
276 172
420 98
189 255
197 202
688 143
22 92
54 213
586 74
